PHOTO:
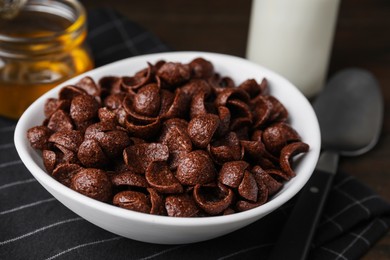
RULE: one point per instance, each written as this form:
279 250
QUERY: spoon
350 115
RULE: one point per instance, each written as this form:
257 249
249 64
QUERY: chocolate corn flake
93 183
53 104
106 115
195 86
248 187
141 129
288 152
201 68
83 108
64 155
173 139
65 172
109 85
70 91
196 167
279 112
133 200
60 121
114 101
243 205
262 109
174 73
90 154
139 156
213 199
70 140
49 160
176 138
157 202
251 87
278 135
129 178
38 137
232 173
179 106
181 205
226 149
231 94
147 100
89 85
114 142
202 128
162 179
198 106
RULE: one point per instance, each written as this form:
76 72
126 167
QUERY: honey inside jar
39 48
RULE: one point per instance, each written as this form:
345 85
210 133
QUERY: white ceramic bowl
169 230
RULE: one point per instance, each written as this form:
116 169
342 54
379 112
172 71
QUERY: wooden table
362 40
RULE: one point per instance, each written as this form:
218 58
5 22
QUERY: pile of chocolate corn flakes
175 139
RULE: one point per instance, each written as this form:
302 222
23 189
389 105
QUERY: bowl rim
23 148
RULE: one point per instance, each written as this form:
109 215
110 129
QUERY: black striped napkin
34 225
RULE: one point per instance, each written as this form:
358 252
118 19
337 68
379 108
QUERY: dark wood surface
362 39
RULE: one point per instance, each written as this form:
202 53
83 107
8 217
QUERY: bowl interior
302 118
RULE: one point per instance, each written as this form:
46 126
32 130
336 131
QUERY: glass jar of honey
39 48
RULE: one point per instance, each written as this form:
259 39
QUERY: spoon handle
298 232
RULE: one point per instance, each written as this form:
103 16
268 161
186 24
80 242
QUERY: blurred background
362 35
